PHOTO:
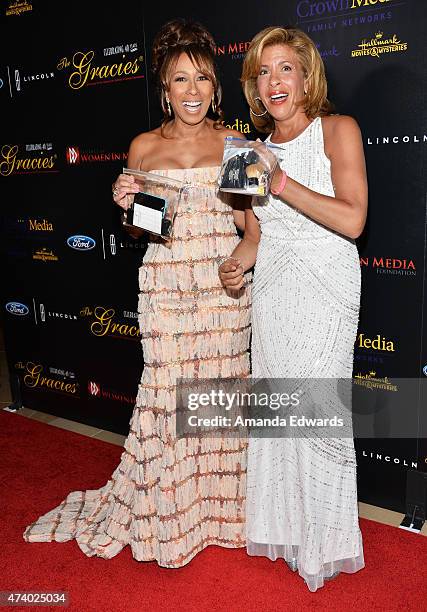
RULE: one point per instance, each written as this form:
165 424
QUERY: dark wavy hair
183 36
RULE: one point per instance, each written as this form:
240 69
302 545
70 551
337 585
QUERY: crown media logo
318 15
378 46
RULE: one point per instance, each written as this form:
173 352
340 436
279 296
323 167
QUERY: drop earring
213 104
168 107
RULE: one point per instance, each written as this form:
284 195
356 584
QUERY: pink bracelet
282 184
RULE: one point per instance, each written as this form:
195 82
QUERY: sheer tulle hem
349 565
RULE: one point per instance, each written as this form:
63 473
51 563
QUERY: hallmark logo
378 46
44 255
18 7
370 381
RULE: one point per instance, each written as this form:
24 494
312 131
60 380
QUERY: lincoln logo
73 155
93 388
113 244
81 243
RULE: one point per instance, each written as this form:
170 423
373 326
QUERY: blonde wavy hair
315 102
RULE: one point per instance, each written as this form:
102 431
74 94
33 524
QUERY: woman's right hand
123 189
231 274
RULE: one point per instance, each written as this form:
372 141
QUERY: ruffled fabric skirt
169 498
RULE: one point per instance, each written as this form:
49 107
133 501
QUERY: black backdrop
76 87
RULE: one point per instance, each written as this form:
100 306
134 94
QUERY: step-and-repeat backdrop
76 87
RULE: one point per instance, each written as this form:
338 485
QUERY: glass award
154 207
242 170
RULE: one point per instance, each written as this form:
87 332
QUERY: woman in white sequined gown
302 496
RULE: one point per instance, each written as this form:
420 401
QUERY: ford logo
81 243
16 308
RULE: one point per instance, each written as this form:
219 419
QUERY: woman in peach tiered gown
169 498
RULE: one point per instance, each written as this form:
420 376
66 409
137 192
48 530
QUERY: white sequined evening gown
302 496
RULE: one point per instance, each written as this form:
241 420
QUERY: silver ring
115 191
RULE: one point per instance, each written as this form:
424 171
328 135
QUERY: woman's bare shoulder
333 124
141 147
339 131
145 140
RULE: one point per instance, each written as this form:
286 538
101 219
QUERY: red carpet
42 464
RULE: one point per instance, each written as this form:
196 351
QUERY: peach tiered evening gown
169 498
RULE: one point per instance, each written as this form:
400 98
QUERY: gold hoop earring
255 114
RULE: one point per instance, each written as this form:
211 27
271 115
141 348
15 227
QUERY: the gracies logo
34 379
11 163
84 70
104 324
